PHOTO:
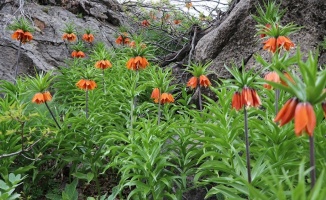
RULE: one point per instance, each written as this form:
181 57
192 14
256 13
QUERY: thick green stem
312 161
17 61
103 82
247 144
52 115
86 109
277 96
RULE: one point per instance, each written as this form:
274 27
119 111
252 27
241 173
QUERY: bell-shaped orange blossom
70 37
78 54
103 64
237 102
204 81
192 83
22 36
88 37
85 84
286 114
40 98
137 63
304 119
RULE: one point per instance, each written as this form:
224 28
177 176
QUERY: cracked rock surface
47 50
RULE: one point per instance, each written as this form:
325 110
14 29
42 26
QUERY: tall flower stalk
86 84
101 57
198 80
40 84
275 39
245 97
307 92
22 33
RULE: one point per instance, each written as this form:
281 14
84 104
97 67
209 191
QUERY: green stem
199 99
247 145
312 161
22 134
277 96
17 61
86 109
103 82
52 115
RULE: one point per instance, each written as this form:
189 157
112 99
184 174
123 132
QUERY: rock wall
234 39
47 50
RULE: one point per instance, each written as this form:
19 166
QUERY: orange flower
40 98
88 37
22 36
137 63
103 64
270 44
177 21
192 83
86 84
250 97
77 54
188 5
122 39
145 23
304 119
267 27
273 77
155 95
166 98
204 81
70 37
237 102
132 44
283 82
286 114
323 105
284 42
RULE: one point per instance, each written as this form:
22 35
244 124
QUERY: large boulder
47 50
234 40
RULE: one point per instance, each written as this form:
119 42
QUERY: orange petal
38 98
300 119
47 96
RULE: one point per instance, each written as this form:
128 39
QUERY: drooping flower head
40 98
307 90
177 21
86 84
69 33
274 77
103 64
138 55
166 98
123 39
78 50
199 77
145 23
88 36
22 30
244 82
304 119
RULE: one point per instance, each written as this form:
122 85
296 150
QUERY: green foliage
8 186
187 150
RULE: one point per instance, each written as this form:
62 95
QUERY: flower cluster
40 98
248 97
137 63
162 98
203 81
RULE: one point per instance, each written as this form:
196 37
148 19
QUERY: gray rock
47 50
234 39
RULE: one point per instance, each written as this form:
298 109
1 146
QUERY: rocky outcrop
234 39
47 50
